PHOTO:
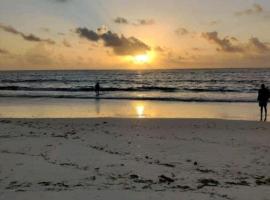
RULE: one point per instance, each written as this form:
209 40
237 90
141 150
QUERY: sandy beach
109 158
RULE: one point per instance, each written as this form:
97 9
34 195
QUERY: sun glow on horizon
141 59
144 58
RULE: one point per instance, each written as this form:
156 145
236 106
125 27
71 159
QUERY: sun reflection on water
140 111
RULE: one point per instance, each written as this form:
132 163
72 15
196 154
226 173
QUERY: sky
139 34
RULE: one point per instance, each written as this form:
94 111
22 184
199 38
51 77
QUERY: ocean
200 85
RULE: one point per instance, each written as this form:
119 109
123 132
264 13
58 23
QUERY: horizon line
142 69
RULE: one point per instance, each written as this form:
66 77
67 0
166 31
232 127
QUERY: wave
82 89
218 90
131 81
128 89
44 81
23 88
169 99
31 81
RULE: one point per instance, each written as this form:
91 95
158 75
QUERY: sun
144 58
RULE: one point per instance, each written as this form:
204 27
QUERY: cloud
103 29
258 45
255 9
30 37
224 44
227 44
159 49
121 20
89 34
182 31
34 38
121 45
139 22
145 22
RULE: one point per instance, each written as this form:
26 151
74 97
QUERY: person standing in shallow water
263 97
97 89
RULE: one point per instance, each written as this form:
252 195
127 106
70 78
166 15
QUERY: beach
164 134
121 158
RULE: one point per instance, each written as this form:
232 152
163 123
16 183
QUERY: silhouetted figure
97 89
263 97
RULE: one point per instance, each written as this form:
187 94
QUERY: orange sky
119 34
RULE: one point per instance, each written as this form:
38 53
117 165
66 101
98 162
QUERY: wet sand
109 158
87 108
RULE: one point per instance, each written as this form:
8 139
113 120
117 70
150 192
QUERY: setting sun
141 58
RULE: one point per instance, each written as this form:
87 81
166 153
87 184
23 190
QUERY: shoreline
154 99
113 158
3 119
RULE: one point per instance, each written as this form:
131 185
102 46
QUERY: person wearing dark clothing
263 97
97 89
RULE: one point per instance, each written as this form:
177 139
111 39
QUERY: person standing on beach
97 89
263 97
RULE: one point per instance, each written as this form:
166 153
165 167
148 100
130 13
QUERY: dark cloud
232 45
182 31
103 29
34 38
3 51
30 37
255 9
121 20
89 34
121 45
9 29
224 44
258 45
